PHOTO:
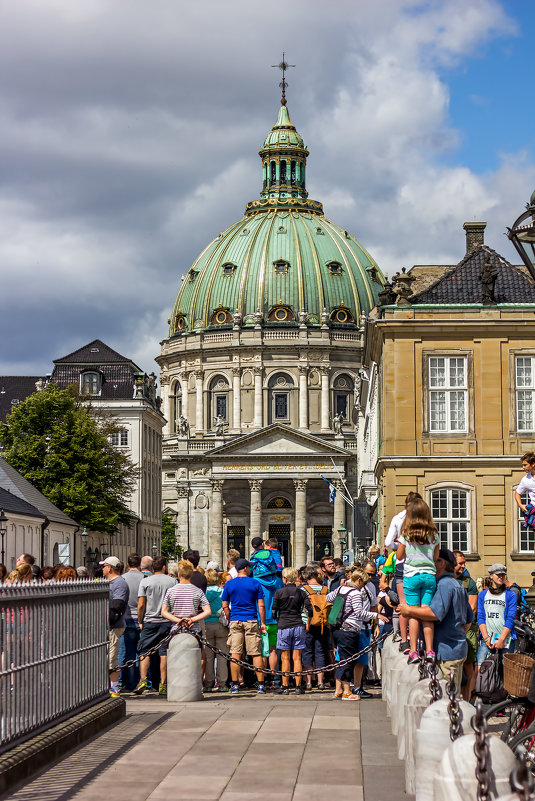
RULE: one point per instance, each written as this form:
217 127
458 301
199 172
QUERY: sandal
337 695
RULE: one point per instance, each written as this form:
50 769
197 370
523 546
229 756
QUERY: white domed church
260 373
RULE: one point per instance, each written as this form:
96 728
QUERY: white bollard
184 669
456 779
409 677
392 649
432 739
419 699
397 669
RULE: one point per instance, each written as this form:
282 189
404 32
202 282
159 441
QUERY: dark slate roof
95 352
117 379
12 481
15 388
13 504
461 284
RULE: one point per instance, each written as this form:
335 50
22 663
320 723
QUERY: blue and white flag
332 490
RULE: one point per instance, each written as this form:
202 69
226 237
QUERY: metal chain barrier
434 686
481 750
422 664
521 780
184 629
454 709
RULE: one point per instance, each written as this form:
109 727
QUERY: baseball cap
213 566
111 560
241 564
256 542
447 555
497 568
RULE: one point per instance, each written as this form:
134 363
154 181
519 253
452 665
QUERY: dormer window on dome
221 316
281 314
180 322
228 268
335 268
281 266
192 274
281 229
342 315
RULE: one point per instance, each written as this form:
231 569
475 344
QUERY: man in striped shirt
185 603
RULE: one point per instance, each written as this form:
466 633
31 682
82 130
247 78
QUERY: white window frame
525 395
120 439
524 532
451 393
449 521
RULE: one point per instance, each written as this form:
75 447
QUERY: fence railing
53 654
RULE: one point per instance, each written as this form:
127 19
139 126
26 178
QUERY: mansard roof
13 390
461 284
96 352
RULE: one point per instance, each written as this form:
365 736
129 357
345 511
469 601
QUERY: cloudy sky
130 129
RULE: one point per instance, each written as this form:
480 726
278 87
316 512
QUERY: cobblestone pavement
246 748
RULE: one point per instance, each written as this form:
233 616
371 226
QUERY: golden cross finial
283 66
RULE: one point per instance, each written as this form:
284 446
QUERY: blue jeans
127 651
484 651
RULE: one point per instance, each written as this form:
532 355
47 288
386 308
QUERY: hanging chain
434 686
481 750
422 664
521 779
184 629
454 710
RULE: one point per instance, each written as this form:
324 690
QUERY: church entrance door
282 533
323 542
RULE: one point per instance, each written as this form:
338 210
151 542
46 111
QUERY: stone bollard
184 669
397 669
432 739
391 648
420 697
456 779
409 677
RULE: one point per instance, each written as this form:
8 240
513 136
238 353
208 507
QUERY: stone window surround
472 552
455 353
513 353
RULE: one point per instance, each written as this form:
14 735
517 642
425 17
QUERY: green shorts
472 637
272 634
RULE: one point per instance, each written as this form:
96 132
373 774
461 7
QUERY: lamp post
3 532
326 550
342 538
154 550
522 235
84 536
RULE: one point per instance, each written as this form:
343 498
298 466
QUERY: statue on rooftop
488 276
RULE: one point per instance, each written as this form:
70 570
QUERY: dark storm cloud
129 135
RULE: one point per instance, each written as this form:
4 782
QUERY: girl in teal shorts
419 546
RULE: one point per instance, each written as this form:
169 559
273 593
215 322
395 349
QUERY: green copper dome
284 263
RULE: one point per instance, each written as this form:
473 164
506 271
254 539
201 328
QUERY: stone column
169 427
324 398
216 522
199 403
184 380
182 518
339 516
258 397
236 398
303 396
300 556
255 524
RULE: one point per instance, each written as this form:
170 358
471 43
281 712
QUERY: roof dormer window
90 383
335 268
281 266
192 275
228 268
221 316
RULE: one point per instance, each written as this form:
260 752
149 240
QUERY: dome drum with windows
284 263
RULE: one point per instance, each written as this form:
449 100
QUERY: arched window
342 315
292 173
90 382
343 392
220 316
283 172
219 405
279 503
450 508
280 388
175 406
273 173
335 268
281 314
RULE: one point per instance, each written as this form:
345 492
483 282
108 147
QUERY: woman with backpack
318 635
351 614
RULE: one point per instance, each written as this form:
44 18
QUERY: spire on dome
283 66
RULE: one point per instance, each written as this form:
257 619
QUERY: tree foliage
61 444
170 548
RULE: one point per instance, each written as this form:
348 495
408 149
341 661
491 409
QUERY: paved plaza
273 748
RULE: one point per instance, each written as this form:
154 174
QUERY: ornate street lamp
84 537
327 549
3 532
522 235
342 536
154 550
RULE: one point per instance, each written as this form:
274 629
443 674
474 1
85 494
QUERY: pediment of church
278 440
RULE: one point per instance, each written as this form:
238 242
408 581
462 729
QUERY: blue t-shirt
450 605
242 593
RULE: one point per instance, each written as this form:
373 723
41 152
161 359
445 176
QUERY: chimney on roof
475 235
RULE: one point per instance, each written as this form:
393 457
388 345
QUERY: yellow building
455 366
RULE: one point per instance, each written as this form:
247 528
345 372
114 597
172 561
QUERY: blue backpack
263 563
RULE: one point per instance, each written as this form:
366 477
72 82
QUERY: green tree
169 545
61 444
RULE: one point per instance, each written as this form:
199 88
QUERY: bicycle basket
517 673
